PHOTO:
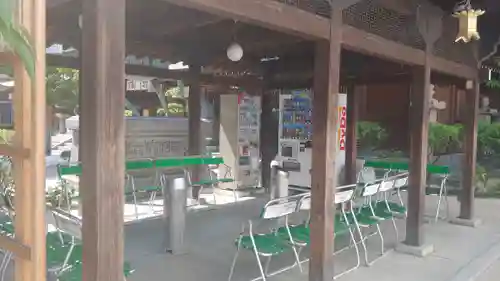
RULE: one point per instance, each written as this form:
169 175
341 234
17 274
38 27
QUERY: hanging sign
138 85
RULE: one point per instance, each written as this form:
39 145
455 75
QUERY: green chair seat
149 188
393 207
340 226
225 180
299 233
267 244
205 182
362 218
6 225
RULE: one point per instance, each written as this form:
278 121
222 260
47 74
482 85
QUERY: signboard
138 85
341 133
342 117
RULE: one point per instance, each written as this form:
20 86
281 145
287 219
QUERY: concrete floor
461 253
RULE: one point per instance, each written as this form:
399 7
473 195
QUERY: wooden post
351 136
470 147
216 118
419 122
194 107
429 23
102 126
326 88
269 124
30 124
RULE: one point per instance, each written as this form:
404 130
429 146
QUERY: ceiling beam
266 13
277 16
54 3
140 70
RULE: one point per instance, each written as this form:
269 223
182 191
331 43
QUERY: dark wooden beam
55 3
470 147
205 79
419 120
282 17
194 107
103 132
429 23
268 134
216 119
269 14
352 119
326 87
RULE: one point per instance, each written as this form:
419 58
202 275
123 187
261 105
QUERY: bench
155 168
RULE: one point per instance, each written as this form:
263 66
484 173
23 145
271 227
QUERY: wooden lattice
371 16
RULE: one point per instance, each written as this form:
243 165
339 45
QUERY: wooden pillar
419 123
102 126
216 119
28 152
326 88
470 148
269 124
352 119
429 23
194 107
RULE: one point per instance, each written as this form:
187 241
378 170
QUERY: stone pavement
461 253
492 273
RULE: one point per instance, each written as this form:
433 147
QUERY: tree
62 89
14 37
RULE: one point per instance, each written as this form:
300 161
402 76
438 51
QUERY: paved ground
492 273
461 253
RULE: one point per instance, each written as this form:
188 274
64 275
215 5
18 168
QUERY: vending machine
239 138
295 135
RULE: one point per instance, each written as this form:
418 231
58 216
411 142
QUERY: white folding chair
365 216
269 244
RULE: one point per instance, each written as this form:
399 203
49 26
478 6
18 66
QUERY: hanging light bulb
235 52
467 21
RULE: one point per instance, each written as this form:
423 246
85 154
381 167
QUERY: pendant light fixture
234 51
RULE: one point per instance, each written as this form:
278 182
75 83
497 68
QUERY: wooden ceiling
160 30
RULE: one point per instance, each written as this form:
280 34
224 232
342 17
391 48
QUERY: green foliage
60 196
174 92
488 138
174 103
444 138
481 178
14 36
493 84
62 88
173 109
6 136
370 134
391 154
7 182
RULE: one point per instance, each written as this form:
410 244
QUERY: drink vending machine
239 138
295 135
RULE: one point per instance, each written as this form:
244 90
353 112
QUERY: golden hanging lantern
467 24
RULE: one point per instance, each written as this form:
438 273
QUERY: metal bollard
281 184
174 209
279 181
